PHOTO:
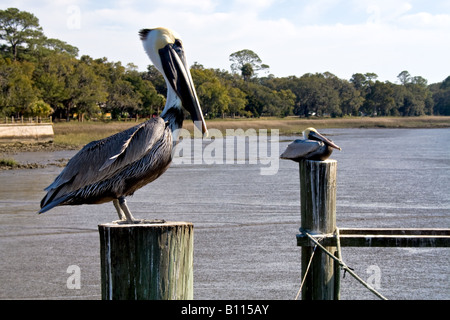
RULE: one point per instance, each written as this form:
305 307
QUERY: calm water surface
245 222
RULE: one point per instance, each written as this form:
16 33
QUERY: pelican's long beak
179 77
317 136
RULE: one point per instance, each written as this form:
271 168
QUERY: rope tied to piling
339 260
306 273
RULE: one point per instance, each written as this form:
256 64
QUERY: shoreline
74 135
295 125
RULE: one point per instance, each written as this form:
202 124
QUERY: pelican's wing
101 159
300 149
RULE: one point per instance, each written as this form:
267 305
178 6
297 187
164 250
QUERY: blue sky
293 37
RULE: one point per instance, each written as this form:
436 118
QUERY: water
245 223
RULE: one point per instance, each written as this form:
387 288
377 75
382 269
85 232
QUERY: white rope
306 273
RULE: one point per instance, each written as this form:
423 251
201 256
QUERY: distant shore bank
295 125
73 135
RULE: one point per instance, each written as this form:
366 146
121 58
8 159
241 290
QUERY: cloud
386 42
340 36
381 11
313 10
197 5
254 5
386 11
426 20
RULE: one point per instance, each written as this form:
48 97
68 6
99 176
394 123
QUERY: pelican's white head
156 39
313 134
307 131
165 50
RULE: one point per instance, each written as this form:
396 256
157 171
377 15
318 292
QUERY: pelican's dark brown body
116 166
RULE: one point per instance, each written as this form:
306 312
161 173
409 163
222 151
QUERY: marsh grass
295 125
76 134
8 163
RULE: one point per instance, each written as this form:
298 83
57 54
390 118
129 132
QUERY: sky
293 37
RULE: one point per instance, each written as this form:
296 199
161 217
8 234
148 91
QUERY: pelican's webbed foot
126 217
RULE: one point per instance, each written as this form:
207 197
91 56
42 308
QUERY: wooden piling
318 215
147 261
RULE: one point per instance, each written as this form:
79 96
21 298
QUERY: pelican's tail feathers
54 203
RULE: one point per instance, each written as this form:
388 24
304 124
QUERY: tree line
40 76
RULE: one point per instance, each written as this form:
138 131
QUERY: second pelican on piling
115 167
313 146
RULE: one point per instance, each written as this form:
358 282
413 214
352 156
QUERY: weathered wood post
147 261
318 215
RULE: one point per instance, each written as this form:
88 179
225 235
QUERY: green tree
247 63
284 103
149 100
350 98
415 96
257 98
370 77
88 91
52 78
16 87
214 98
359 81
441 97
50 46
317 95
156 78
122 99
39 108
404 77
292 84
152 101
247 71
399 93
212 93
18 28
237 101
380 99
267 101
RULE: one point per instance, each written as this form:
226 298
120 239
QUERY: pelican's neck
174 116
173 113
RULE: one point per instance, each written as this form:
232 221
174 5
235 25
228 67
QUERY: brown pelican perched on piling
313 146
115 167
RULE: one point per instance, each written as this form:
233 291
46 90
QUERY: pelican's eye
178 47
177 43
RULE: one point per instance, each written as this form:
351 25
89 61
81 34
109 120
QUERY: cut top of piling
145 225
147 261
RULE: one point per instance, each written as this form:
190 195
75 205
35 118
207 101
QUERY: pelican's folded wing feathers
103 158
300 148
